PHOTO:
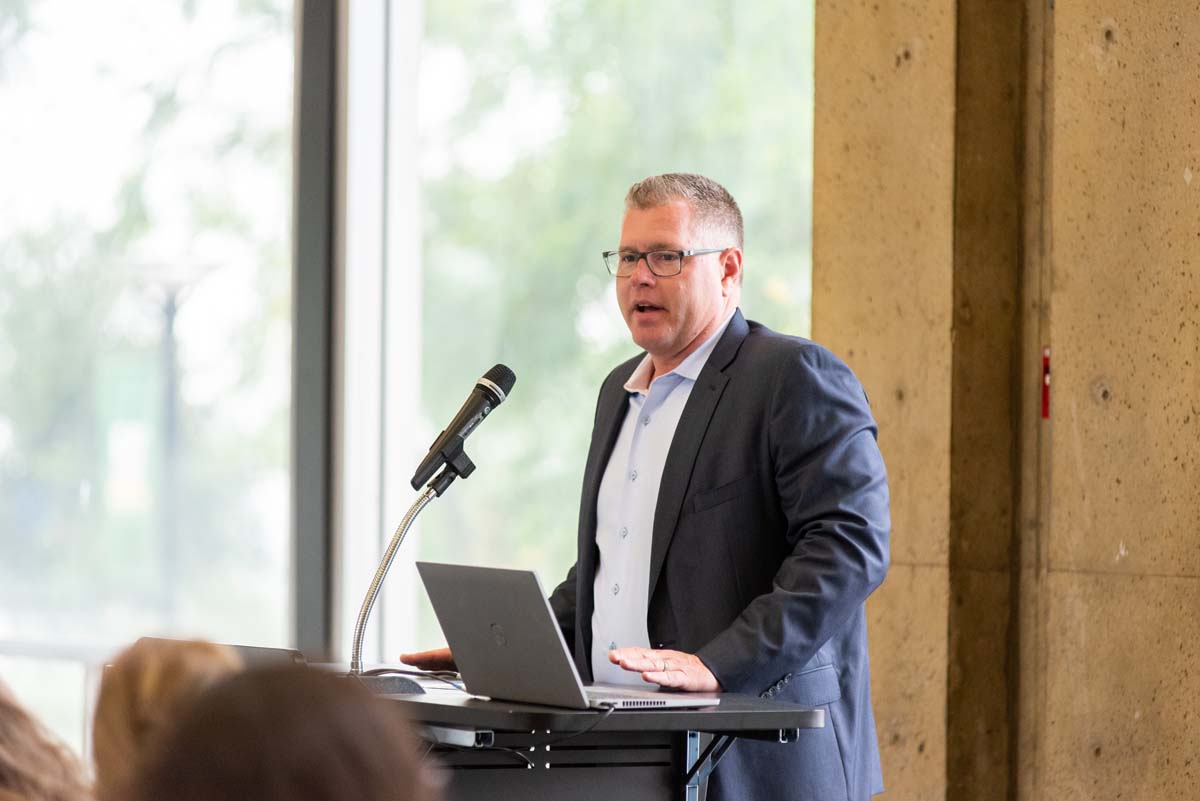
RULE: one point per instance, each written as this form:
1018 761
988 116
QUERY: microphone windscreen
502 377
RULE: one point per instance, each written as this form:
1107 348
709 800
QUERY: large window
145 333
512 131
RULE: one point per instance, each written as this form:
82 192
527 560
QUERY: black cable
505 749
608 710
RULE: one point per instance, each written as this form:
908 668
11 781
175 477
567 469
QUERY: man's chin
648 330
647 342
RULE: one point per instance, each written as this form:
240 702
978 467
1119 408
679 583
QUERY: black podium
499 750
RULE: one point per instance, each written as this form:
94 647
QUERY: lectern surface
735 713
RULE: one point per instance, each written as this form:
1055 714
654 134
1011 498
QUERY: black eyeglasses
663 263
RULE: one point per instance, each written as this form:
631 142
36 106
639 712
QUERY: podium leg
691 787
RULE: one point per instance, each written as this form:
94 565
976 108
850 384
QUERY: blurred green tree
563 105
97 375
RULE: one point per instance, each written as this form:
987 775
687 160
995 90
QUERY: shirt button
616 588
624 532
612 646
633 476
646 420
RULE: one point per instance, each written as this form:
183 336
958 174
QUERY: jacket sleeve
562 602
832 487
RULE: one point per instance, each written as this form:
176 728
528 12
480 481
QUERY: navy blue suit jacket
770 531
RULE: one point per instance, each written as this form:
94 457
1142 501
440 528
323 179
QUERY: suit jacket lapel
685 446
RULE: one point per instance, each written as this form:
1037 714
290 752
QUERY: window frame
314 208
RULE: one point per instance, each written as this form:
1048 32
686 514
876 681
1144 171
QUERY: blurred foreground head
34 766
288 734
143 694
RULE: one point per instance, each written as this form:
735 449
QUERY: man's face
671 316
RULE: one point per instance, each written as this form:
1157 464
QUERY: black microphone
489 392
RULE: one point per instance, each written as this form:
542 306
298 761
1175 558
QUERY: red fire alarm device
1046 383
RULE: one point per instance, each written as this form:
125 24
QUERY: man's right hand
437 659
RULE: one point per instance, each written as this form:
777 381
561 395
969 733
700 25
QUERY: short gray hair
711 202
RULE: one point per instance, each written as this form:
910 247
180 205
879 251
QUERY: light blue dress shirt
626 503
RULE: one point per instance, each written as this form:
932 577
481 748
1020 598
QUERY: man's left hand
673 669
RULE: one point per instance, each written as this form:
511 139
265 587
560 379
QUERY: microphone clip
458 465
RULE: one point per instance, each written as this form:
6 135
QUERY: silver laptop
507 643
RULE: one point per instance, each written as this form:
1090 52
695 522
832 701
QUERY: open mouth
646 307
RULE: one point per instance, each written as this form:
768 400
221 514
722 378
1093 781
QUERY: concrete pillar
883 246
1113 656
986 399
992 178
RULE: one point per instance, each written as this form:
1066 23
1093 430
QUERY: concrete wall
1119 645
986 392
882 290
992 178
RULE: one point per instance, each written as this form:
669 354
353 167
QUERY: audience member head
288 734
143 693
34 765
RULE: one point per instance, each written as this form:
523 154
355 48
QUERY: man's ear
731 269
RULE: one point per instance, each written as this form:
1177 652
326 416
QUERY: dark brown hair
34 765
288 734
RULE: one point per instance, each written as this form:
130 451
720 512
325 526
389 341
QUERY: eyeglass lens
661 262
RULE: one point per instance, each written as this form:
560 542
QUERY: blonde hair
34 765
143 693
711 202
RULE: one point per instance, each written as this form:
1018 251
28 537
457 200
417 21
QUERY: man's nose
642 274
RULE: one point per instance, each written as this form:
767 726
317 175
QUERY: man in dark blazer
762 507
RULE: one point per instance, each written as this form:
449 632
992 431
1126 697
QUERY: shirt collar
689 368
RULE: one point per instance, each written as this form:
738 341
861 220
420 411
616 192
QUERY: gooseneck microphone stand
458 465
